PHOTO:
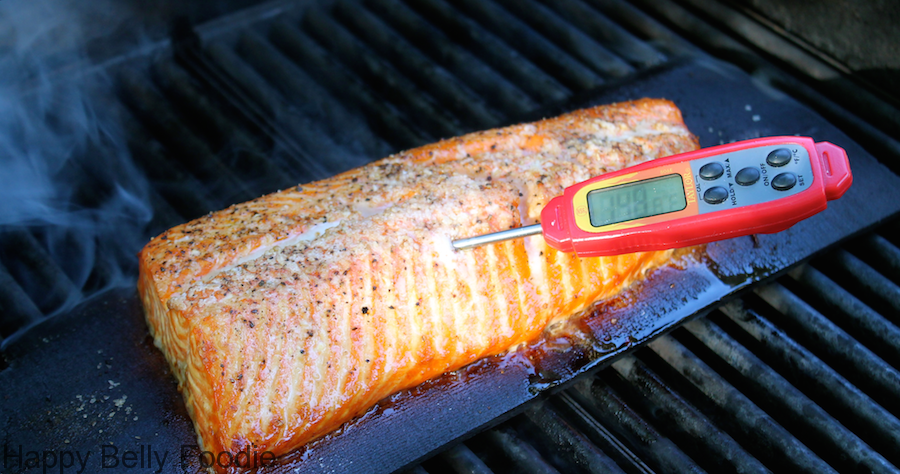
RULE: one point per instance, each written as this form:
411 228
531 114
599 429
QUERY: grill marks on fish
288 315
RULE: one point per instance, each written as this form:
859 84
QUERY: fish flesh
286 316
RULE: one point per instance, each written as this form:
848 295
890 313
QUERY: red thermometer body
754 186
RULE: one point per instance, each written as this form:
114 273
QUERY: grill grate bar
207 69
215 128
645 26
150 108
559 441
164 215
881 253
280 79
260 99
35 270
598 434
295 100
493 51
570 41
850 405
342 136
385 121
532 46
747 422
608 407
462 459
852 315
515 452
841 448
605 32
864 278
428 76
692 431
859 364
496 90
17 307
379 75
169 178
236 149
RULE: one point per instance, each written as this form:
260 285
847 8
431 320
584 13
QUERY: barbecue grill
780 352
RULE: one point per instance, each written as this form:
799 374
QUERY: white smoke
66 175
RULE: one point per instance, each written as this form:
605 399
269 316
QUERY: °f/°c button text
715 195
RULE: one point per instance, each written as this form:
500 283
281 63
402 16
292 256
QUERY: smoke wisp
74 209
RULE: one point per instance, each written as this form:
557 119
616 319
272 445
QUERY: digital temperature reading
636 200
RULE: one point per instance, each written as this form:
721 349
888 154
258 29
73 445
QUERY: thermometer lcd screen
637 200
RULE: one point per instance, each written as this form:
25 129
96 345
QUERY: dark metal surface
102 350
91 381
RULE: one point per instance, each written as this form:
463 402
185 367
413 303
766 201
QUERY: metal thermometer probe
510 234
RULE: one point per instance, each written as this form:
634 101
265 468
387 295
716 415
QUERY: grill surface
800 374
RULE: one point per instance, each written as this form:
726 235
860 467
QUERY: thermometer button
715 195
711 171
779 157
747 176
784 181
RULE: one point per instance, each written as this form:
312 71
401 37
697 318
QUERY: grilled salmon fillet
286 316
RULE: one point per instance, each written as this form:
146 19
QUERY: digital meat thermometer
764 185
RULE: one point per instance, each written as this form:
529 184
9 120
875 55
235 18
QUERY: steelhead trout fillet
288 315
